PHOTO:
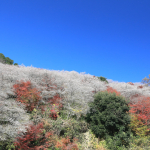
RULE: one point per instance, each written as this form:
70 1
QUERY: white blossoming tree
76 91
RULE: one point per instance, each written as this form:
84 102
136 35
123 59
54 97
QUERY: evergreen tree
108 119
9 61
6 60
2 58
103 79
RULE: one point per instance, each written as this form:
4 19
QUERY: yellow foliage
137 126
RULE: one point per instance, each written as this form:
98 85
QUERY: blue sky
109 38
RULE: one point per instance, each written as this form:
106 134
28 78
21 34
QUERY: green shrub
7 145
6 60
103 79
2 58
16 64
113 143
140 143
74 129
108 117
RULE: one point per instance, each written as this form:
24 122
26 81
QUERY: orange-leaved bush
55 101
142 109
140 87
54 114
65 144
55 104
26 95
35 139
30 97
130 83
111 90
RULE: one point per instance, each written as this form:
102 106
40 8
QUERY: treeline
145 81
6 60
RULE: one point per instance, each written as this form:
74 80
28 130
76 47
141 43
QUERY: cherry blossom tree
75 89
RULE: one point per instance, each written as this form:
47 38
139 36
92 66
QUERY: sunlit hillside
75 89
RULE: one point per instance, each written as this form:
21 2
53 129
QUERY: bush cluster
103 79
108 119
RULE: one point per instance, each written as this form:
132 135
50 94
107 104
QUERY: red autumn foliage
130 83
30 97
54 113
142 109
65 144
140 87
55 100
35 139
111 90
25 92
27 95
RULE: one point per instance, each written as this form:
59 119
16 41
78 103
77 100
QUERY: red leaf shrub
56 100
54 113
130 83
27 95
65 144
35 139
30 97
111 90
142 109
140 87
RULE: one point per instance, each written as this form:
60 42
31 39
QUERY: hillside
76 91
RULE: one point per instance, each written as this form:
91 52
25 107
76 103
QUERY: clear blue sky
109 38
